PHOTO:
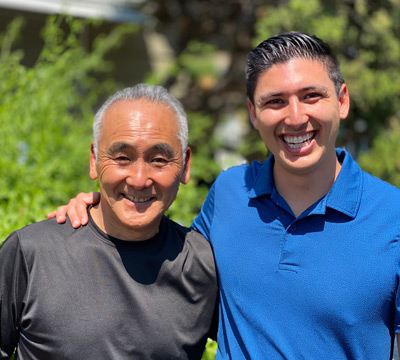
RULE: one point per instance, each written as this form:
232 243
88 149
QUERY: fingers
89 198
76 209
52 214
73 214
59 214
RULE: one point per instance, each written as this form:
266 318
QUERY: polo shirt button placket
288 260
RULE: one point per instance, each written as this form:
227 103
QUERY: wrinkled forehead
133 120
139 114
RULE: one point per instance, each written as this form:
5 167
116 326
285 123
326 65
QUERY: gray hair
153 93
284 47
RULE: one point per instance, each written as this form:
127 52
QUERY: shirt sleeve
13 283
212 334
202 223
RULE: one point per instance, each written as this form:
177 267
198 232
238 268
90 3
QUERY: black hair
287 46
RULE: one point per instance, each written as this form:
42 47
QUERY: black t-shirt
80 294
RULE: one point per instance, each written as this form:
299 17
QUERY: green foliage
198 59
211 350
364 35
383 159
46 117
46 111
197 62
203 171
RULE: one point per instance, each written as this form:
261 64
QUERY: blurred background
59 60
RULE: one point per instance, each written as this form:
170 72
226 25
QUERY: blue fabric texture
324 285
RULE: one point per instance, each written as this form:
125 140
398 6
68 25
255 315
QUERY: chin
139 224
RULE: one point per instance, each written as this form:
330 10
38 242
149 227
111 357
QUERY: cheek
110 173
267 130
331 122
325 111
168 179
269 119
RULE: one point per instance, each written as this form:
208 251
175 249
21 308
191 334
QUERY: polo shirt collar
264 179
344 196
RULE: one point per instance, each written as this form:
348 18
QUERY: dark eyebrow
315 88
263 97
116 147
267 96
163 148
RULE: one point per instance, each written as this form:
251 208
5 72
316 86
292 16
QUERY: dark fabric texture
80 294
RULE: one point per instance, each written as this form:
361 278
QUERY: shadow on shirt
143 260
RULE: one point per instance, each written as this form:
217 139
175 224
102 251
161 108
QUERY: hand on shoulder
76 209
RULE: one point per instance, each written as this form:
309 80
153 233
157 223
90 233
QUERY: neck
109 224
302 190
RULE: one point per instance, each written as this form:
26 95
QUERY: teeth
135 199
296 142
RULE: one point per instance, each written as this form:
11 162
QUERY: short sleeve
202 223
214 324
13 283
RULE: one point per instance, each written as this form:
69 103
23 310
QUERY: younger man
307 245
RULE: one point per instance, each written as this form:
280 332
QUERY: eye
274 103
159 161
122 159
313 97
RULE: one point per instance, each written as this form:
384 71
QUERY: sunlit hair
153 93
284 47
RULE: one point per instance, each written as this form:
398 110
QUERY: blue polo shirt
324 285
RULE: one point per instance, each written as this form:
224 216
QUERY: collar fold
344 196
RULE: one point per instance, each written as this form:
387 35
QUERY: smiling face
139 168
297 113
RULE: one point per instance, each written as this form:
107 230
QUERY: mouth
137 200
297 142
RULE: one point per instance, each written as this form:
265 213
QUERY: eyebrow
119 146
263 97
164 148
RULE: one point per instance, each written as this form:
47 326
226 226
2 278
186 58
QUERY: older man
306 243
132 284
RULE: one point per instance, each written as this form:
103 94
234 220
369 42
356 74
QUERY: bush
46 116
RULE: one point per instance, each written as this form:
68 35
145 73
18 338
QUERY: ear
93 168
252 113
344 102
185 176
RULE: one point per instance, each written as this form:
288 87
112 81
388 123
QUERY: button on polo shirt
322 285
293 240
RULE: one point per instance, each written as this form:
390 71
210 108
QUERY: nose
139 175
295 116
